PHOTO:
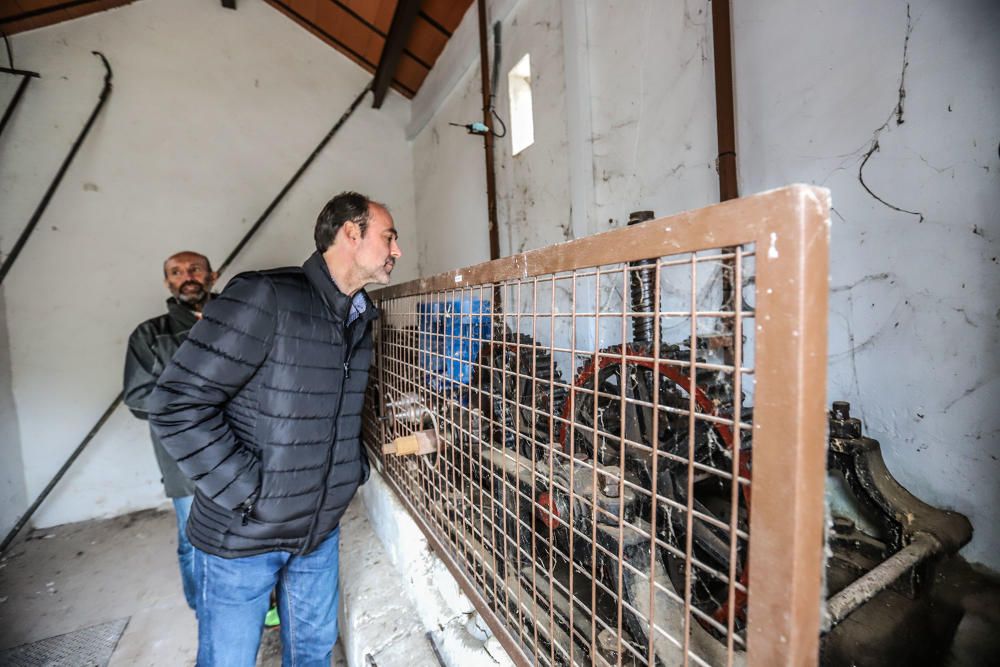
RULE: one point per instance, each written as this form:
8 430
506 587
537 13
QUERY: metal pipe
841 605
19 72
725 123
13 102
21 522
491 180
23 238
725 112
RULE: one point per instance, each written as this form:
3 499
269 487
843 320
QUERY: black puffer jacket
261 406
150 348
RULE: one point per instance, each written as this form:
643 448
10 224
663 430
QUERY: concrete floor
78 575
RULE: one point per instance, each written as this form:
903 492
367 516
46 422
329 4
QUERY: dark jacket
149 350
261 406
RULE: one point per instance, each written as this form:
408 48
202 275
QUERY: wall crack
968 392
898 113
872 277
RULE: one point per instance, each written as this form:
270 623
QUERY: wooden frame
789 229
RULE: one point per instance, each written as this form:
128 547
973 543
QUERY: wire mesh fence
590 424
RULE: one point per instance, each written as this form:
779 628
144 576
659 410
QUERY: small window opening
522 126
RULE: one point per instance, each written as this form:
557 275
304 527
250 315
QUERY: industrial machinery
558 533
603 505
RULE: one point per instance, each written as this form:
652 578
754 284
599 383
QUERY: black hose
8 261
21 522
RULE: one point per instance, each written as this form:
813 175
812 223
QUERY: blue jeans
234 597
185 552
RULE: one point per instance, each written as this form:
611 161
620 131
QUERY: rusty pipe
843 604
491 180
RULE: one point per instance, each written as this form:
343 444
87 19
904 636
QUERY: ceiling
357 28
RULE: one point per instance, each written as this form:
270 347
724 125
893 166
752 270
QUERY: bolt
842 525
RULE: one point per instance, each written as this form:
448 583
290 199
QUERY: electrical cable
499 120
480 129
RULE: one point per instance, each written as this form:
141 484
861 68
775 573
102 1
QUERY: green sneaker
272 620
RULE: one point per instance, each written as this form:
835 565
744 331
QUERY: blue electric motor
450 334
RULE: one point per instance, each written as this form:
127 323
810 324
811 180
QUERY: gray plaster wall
13 494
895 107
903 96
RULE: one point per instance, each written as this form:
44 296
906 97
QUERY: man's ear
353 231
214 276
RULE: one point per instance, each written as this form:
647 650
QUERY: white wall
914 326
631 125
653 102
212 112
13 494
450 191
533 186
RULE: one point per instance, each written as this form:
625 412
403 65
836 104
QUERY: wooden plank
448 13
426 43
410 74
288 11
41 13
790 231
334 20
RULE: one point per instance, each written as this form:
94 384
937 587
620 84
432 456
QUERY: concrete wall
212 112
625 120
451 202
914 326
13 494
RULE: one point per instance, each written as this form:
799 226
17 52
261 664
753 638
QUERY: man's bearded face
189 278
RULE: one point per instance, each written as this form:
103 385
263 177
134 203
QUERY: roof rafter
395 44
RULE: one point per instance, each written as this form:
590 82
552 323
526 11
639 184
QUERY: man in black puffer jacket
261 407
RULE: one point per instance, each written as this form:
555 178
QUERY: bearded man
261 407
188 277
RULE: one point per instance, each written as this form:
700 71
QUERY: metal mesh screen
91 646
587 437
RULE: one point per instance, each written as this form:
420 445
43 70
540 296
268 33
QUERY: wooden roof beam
395 43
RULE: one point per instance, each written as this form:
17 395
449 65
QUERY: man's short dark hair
347 206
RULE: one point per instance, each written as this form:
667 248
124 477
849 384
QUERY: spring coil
642 288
